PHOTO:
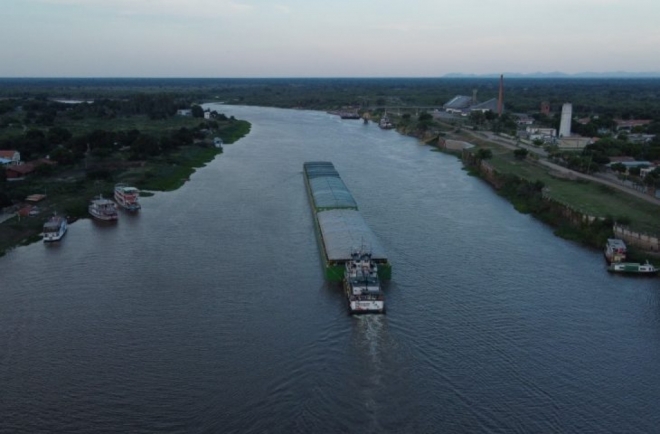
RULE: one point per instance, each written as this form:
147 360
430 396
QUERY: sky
329 38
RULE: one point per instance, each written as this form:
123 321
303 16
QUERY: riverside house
10 157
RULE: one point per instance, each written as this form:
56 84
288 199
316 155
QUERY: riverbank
68 192
580 208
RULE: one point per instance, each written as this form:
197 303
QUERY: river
208 311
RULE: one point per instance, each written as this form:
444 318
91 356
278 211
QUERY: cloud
283 8
404 27
205 8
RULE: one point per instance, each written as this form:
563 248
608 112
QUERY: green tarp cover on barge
344 230
327 189
315 169
330 193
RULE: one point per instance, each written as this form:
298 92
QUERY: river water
208 311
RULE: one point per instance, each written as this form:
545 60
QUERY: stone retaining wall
643 241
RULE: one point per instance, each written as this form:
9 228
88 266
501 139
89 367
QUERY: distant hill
557 74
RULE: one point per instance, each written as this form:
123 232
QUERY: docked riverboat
385 123
103 209
615 250
361 284
54 229
127 197
349 115
635 268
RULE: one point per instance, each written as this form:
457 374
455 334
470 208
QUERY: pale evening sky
331 38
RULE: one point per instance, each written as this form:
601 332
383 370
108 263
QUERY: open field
588 197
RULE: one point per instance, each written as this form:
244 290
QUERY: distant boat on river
54 229
615 250
385 123
102 209
127 197
635 268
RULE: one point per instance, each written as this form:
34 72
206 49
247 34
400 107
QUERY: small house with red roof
18 172
630 124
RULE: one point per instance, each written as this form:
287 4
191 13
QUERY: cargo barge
339 225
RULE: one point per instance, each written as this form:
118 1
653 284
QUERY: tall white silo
565 123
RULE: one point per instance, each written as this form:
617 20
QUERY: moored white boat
127 197
615 250
54 229
633 268
102 209
362 285
385 123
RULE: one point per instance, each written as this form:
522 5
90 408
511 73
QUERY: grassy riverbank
68 189
562 201
70 196
590 198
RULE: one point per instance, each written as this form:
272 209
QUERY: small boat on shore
361 284
635 268
127 197
385 123
54 229
615 250
349 115
103 209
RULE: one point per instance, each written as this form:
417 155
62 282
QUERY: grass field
588 197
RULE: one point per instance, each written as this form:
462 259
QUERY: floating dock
340 227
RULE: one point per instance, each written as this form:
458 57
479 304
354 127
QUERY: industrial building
565 121
463 105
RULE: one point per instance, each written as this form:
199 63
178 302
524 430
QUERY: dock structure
339 225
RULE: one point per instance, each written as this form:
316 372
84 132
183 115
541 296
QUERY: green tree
58 135
425 117
218 116
62 156
650 180
477 117
520 154
484 154
634 171
197 111
618 167
144 146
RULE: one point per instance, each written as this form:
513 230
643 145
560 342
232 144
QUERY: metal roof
345 230
459 102
330 192
327 189
491 104
314 169
616 243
